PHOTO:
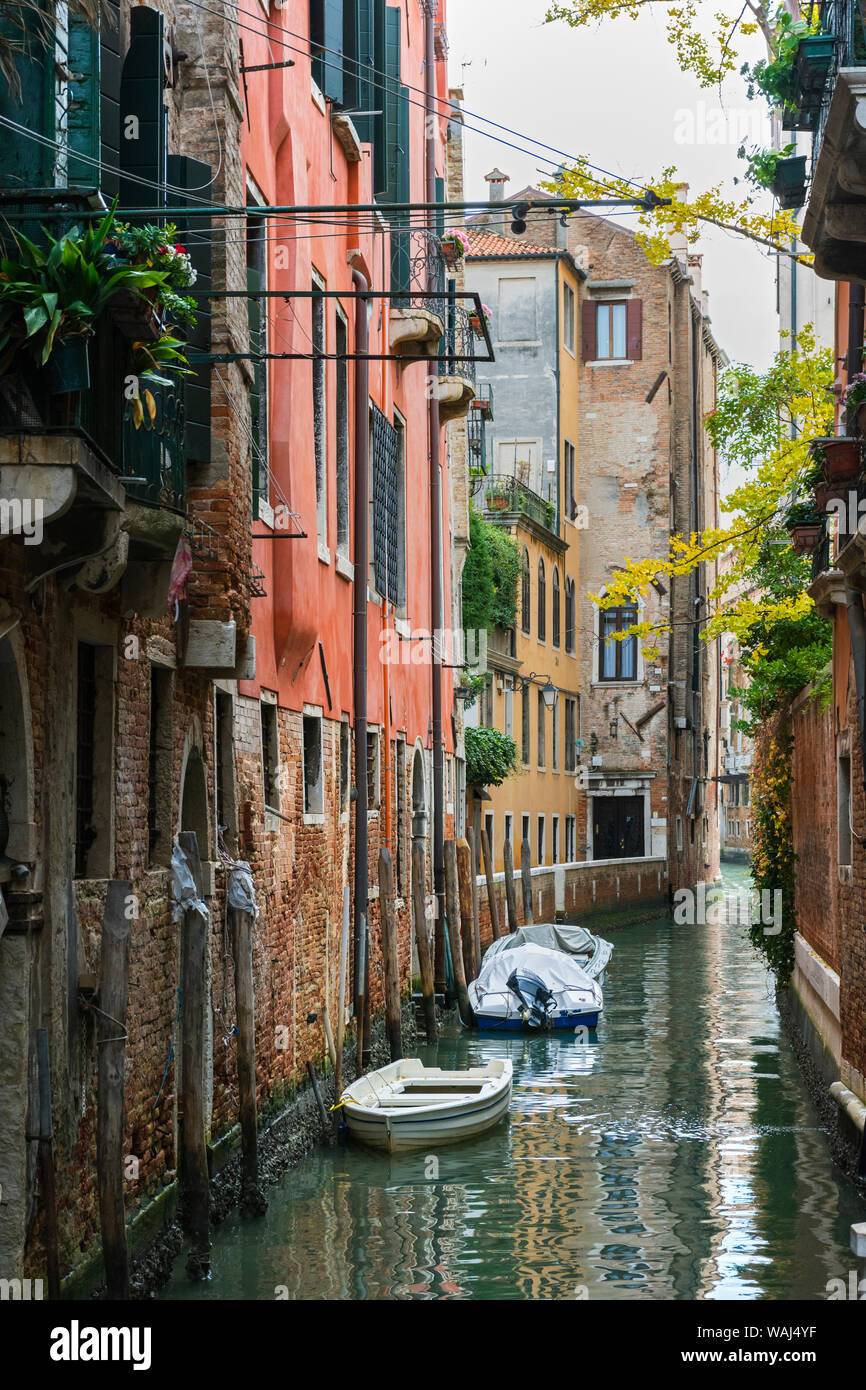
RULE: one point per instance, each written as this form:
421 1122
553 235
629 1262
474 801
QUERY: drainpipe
436 605
362 564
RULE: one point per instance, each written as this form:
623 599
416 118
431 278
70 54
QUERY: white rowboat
407 1105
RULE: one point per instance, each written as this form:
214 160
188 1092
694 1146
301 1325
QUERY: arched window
542 602
569 616
556 608
525 600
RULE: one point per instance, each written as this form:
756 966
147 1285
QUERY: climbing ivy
773 856
490 757
490 577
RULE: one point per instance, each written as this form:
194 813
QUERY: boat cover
574 941
557 970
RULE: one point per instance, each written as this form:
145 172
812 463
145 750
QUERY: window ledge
345 566
324 553
617 685
266 514
612 362
314 818
318 98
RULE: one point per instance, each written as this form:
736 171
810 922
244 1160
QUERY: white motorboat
533 987
408 1105
591 953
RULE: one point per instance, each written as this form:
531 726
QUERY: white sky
615 94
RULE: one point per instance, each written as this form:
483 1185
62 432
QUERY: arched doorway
193 801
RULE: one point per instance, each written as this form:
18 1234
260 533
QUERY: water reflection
674 1155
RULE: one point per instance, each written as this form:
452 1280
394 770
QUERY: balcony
416 321
480 411
505 499
834 225
456 374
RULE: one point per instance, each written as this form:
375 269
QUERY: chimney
695 263
496 182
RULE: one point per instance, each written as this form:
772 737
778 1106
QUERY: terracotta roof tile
490 244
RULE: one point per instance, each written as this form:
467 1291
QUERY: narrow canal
675 1156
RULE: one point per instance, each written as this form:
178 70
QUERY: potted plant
52 296
498 497
839 458
806 526
455 245
789 181
156 249
475 320
854 401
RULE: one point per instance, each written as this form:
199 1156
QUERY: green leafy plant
60 290
166 354
803 514
761 164
491 576
490 757
774 78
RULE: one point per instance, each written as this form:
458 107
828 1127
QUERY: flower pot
451 253
477 326
806 537
789 181
497 504
841 459
813 62
68 367
824 493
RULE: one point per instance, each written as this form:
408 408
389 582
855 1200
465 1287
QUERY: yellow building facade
530 489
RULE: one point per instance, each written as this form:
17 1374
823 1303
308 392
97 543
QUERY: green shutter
25 162
142 141
84 94
109 106
194 234
401 237
255 285
326 47
361 91
387 151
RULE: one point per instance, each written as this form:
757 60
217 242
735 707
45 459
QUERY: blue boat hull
516 1025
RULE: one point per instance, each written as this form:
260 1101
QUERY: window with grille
618 655
320 441
94 771
159 818
342 441
314 774
270 756
388 514
85 832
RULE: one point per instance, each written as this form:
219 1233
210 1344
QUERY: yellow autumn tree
710 57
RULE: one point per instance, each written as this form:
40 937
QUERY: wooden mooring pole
526 881
510 896
475 851
194 1186
341 1007
253 1202
390 956
422 938
491 886
111 1062
467 924
452 916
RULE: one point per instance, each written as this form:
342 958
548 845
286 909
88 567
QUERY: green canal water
675 1156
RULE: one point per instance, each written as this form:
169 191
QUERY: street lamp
549 693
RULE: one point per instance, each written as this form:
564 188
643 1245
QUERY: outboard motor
536 1000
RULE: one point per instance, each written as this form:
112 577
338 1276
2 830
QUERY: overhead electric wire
389 85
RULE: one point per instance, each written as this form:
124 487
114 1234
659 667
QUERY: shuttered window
326 47
194 234
542 602
557 610
143 115
361 22
612 330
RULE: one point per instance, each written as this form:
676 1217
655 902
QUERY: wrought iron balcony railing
846 21
153 458
417 269
458 344
500 493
